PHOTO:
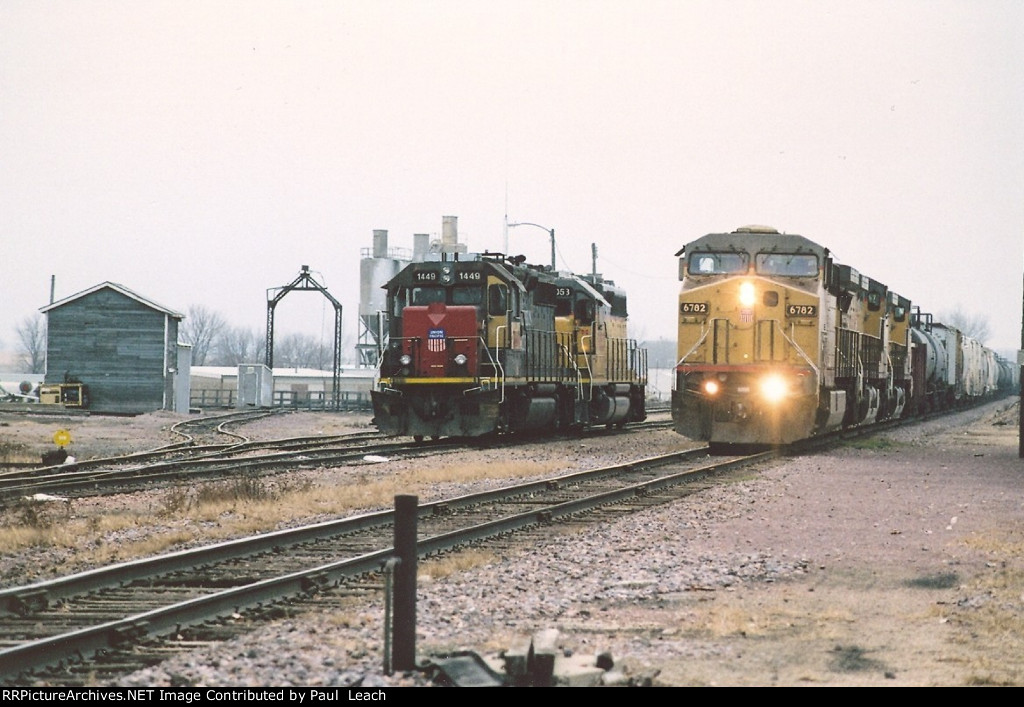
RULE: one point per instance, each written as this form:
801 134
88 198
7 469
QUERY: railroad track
96 625
240 460
174 464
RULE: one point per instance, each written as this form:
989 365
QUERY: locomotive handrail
590 380
817 373
622 362
579 375
693 348
497 344
498 369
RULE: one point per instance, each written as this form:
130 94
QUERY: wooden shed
122 346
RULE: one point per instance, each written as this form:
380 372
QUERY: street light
551 232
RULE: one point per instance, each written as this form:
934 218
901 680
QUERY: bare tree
32 338
303 351
237 345
974 325
200 327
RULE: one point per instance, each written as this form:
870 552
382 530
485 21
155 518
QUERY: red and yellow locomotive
481 343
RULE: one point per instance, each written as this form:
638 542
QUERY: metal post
404 650
389 594
551 232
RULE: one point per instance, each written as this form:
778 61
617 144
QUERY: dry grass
227 509
16 453
449 564
728 620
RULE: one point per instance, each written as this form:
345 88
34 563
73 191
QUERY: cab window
787 264
584 312
425 295
468 295
497 300
718 263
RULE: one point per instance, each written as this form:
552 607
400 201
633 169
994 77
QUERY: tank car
778 342
483 343
951 369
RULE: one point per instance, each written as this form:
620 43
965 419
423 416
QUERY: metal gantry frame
305 281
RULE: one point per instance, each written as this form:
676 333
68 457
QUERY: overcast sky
202 152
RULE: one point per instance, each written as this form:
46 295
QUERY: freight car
482 343
779 342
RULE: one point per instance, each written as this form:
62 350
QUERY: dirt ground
914 550
910 544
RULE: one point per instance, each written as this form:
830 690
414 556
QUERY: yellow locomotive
778 342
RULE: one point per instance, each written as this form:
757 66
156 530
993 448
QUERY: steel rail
112 634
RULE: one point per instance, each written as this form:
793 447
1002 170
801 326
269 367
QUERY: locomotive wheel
417 438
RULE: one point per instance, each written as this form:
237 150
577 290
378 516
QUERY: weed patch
942 580
853 659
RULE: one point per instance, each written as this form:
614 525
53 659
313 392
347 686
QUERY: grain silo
377 266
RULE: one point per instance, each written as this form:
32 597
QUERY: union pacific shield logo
435 340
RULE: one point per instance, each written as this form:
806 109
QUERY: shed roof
117 288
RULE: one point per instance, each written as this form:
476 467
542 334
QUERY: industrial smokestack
420 246
380 243
449 233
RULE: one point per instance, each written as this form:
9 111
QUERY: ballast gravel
897 561
566 583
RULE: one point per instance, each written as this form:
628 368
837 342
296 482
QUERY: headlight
710 387
774 388
460 359
405 360
747 294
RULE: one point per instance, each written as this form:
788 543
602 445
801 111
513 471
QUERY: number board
801 310
425 276
469 276
693 308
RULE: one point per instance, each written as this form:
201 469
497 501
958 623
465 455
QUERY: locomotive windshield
787 264
459 295
718 263
425 295
468 295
